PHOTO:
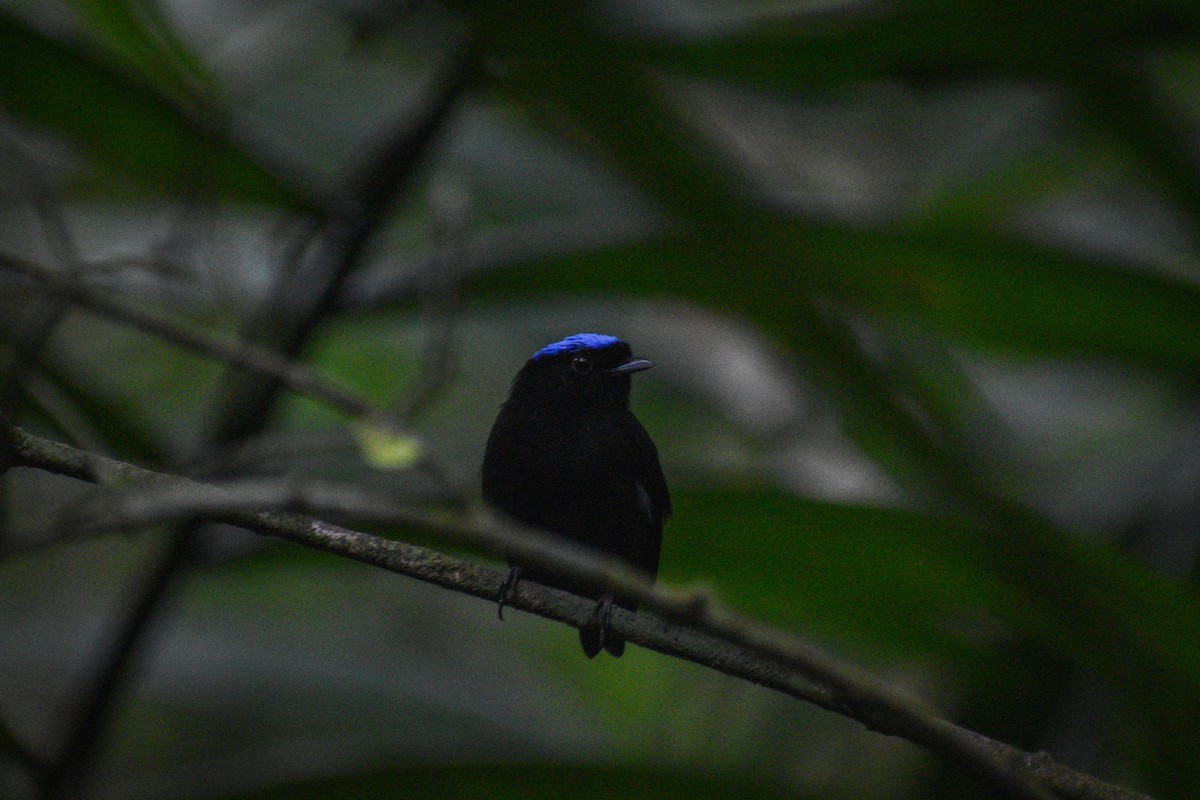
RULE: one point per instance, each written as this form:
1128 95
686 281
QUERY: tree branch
684 624
295 376
308 286
438 295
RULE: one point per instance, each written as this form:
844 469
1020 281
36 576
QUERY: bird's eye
582 364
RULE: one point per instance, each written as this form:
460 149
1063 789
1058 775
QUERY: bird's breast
584 464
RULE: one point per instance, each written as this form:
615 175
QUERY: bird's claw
600 619
506 590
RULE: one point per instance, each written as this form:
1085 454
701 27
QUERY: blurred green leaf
903 581
984 289
889 584
126 124
1100 51
137 30
995 293
901 584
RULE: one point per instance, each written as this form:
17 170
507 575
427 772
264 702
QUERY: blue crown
578 341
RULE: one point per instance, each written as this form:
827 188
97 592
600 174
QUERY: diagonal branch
309 284
293 375
682 624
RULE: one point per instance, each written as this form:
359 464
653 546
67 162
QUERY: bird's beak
632 365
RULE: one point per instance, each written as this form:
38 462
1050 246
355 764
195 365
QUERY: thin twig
294 376
52 402
439 287
287 373
684 624
308 287
44 318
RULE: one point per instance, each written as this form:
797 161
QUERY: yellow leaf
387 449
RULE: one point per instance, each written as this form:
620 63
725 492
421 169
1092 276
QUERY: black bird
567 455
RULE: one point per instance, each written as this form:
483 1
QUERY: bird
567 455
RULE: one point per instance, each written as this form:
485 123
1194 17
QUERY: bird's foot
506 590
595 634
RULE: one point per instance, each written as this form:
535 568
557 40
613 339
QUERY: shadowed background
920 282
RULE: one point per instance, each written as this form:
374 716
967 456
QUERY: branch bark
682 624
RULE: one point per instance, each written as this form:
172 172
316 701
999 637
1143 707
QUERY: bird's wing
650 475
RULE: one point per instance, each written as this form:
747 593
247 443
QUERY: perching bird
567 455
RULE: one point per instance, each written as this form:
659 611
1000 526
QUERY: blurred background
920 280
